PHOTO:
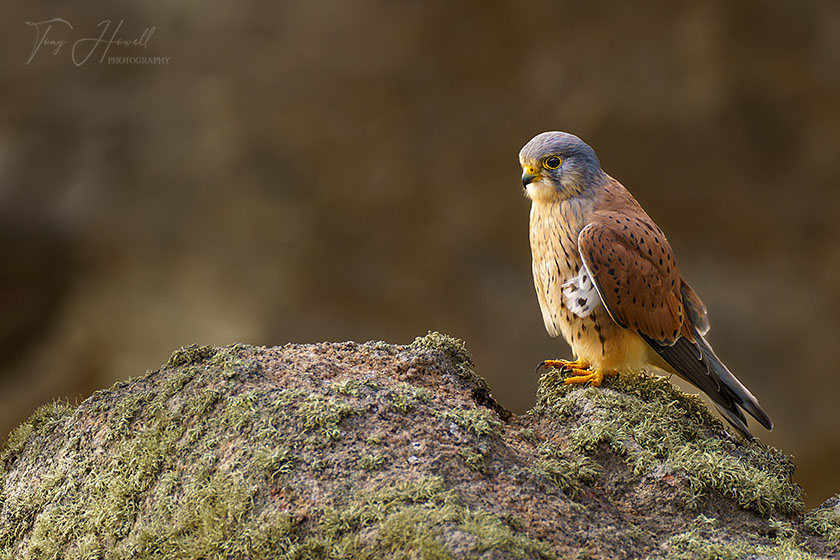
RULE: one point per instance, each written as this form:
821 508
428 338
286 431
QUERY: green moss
44 419
275 461
411 520
372 461
324 414
384 346
649 422
703 541
176 381
211 520
782 529
284 400
192 354
355 387
375 439
445 343
125 411
825 520
230 361
529 436
474 459
181 462
241 410
457 350
187 463
403 396
406 397
203 402
566 473
477 421
131 494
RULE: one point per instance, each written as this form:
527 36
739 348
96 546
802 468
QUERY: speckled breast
557 265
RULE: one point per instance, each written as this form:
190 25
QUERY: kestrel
607 280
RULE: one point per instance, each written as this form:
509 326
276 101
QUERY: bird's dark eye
552 162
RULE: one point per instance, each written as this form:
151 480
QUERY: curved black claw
545 364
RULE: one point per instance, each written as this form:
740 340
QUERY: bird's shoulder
633 265
617 213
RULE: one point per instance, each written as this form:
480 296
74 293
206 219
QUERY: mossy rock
660 430
381 451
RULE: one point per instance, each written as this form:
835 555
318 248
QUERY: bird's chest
566 294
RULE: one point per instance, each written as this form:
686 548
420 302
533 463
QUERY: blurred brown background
330 170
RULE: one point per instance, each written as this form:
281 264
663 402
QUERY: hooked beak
528 175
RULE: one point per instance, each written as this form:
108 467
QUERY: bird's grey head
558 165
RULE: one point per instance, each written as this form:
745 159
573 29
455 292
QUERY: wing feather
632 267
694 308
697 363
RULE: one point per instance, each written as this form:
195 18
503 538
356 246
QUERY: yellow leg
579 370
563 364
585 376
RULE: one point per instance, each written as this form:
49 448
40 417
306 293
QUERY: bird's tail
742 395
698 364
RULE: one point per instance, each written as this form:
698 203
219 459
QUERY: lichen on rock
376 450
659 429
824 521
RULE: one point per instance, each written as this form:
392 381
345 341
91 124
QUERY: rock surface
372 450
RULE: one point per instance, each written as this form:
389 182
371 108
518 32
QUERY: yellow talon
578 369
564 364
585 376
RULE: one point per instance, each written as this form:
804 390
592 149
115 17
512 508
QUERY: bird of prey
607 280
